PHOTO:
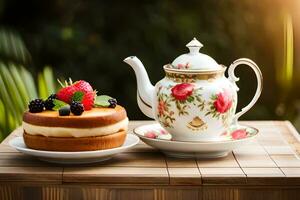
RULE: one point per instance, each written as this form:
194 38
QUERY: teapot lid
194 60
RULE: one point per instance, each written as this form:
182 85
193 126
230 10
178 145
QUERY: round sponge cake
96 129
74 144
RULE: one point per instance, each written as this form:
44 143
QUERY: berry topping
88 100
105 101
64 111
36 106
112 103
83 86
49 102
77 108
73 97
65 94
80 91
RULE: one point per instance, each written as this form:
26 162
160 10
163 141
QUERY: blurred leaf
12 123
43 91
12 89
12 47
29 83
284 72
288 50
2 118
48 77
5 97
16 75
17 87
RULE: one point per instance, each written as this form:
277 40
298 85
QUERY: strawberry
88 100
89 93
65 94
83 86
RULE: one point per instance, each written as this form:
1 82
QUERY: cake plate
81 157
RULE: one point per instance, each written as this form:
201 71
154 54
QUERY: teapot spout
144 86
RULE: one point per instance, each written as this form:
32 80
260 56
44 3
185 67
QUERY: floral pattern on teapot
220 105
194 105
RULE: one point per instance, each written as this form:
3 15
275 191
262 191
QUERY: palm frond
12 48
17 87
48 77
28 82
11 88
16 75
43 92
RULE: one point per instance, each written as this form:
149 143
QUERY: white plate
183 149
81 157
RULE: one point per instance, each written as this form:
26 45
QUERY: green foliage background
17 84
89 39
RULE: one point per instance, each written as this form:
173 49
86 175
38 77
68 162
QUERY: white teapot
195 101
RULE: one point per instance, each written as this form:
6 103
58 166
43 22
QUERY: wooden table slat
117 175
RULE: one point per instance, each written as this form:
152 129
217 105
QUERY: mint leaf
77 96
58 104
102 101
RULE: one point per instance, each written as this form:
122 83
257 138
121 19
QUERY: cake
75 119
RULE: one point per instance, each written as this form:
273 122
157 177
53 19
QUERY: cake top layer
96 117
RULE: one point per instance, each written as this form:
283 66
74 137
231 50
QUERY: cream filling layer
75 132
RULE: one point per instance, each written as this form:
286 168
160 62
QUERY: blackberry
49 102
112 103
64 111
77 108
36 106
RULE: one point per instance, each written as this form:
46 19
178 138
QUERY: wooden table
267 168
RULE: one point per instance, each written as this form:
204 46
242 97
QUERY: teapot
195 101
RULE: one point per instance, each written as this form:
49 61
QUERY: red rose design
239 134
223 102
182 91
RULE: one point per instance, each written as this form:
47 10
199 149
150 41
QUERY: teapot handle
233 79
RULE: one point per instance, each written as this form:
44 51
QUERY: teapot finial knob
194 46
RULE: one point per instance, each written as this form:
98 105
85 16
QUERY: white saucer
81 157
181 149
